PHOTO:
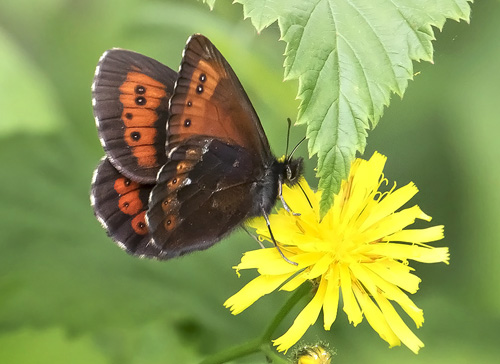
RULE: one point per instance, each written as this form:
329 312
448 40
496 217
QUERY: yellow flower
317 354
360 250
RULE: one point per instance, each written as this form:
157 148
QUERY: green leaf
349 57
262 13
210 3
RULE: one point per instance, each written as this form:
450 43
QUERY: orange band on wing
212 79
134 101
140 136
134 117
130 203
138 78
146 155
139 224
138 85
140 96
124 185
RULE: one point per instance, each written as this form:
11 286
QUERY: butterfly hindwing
202 194
120 204
130 99
210 100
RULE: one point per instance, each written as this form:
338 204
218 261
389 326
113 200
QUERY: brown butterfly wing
217 153
203 192
120 204
130 97
210 100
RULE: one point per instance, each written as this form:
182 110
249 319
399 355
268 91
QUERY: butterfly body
194 146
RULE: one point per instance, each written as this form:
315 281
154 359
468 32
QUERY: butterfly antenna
288 136
305 194
289 158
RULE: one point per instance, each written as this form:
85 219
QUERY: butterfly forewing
201 195
120 204
209 100
130 99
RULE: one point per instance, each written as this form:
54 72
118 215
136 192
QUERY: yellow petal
376 318
258 257
307 225
433 233
391 224
365 181
294 283
303 260
414 252
363 275
396 273
375 285
254 290
331 303
313 244
306 318
389 204
258 223
320 266
351 307
397 325
296 198
269 262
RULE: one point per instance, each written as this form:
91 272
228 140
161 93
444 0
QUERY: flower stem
262 343
300 292
272 356
237 351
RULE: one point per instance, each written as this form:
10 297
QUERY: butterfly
186 157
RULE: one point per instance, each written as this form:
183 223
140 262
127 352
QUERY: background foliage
67 294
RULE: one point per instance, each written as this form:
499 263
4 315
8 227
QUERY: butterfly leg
253 236
285 205
274 240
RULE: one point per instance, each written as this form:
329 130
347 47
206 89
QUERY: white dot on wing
121 245
103 223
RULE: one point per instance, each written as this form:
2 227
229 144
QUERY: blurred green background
69 295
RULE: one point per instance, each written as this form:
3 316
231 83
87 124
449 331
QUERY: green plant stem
234 352
300 292
261 343
272 355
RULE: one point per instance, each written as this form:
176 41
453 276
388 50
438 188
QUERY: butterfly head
294 168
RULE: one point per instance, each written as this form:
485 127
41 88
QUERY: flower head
316 354
359 250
